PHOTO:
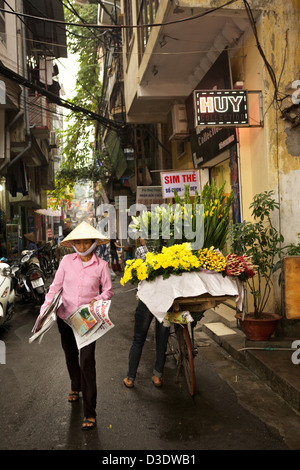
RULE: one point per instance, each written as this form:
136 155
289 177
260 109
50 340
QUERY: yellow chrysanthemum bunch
212 259
173 260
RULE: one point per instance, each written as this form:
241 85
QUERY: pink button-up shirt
80 283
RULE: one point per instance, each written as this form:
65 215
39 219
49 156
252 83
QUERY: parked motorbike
31 278
7 290
47 258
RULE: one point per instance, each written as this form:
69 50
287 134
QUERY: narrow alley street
232 409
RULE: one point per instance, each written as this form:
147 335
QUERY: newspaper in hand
46 318
82 320
90 322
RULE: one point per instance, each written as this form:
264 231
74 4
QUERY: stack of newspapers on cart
87 322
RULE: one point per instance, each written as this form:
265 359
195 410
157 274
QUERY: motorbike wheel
39 298
46 266
55 263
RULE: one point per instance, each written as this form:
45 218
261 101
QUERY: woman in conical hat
80 276
84 231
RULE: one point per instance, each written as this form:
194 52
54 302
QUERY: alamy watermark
161 222
296 353
295 94
2 353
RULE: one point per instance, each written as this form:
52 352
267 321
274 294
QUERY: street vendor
143 319
31 245
80 275
141 250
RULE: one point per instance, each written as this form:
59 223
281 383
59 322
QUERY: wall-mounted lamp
154 70
163 41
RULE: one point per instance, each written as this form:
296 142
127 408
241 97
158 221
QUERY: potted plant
261 241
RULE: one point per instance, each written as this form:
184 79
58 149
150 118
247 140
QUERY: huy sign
221 108
178 180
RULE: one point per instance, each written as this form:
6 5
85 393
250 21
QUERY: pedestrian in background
114 246
102 252
80 276
31 241
141 250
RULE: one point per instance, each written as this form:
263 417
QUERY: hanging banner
171 180
221 108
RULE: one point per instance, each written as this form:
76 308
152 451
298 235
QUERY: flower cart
177 282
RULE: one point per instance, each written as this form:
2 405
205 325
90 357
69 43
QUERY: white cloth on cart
160 293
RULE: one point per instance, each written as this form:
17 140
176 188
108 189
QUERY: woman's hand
92 302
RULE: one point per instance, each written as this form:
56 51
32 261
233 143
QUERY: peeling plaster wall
270 156
281 46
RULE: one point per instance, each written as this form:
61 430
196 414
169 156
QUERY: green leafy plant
216 214
82 157
261 241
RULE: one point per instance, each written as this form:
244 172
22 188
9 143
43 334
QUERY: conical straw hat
84 231
30 236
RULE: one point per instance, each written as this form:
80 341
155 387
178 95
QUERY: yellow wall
186 161
270 155
281 44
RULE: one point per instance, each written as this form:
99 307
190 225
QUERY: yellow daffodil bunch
174 259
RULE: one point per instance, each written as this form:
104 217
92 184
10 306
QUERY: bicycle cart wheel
187 358
173 346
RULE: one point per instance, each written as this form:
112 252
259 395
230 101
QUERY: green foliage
183 221
216 214
262 242
81 161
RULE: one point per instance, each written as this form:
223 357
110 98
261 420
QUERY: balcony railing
38 108
146 13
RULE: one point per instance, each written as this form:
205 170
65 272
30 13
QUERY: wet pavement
231 410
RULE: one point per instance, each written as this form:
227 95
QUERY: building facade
173 49
28 145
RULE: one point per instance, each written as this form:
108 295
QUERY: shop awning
50 212
116 153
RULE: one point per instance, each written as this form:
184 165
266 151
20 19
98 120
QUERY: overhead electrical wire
56 99
200 15
98 26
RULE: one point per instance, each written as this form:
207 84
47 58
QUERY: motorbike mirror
25 258
14 270
6 271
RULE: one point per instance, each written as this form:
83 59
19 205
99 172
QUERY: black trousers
81 366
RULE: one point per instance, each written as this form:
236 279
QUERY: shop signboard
177 180
221 108
210 142
149 195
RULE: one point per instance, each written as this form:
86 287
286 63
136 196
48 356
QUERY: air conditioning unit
179 123
53 139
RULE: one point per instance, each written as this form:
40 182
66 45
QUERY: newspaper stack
89 323
46 319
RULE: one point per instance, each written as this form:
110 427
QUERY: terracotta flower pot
258 329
